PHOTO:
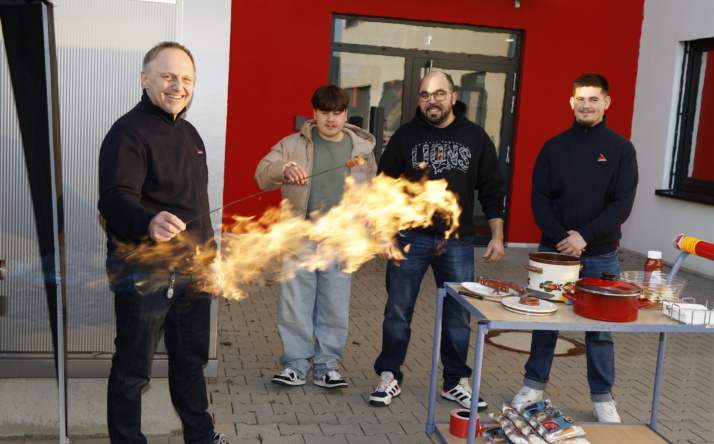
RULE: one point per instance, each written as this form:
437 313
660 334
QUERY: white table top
497 317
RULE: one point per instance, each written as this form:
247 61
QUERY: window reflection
483 93
406 36
702 157
372 80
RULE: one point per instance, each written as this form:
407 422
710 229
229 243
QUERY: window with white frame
692 170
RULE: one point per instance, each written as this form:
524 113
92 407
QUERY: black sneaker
331 380
288 377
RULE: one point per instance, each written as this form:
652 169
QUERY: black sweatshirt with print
461 153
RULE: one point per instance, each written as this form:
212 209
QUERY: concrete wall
30 407
656 220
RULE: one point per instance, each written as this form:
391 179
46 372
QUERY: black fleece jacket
150 163
462 153
585 179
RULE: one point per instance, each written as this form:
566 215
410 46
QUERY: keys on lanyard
170 291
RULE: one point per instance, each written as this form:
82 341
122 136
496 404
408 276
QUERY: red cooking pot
607 299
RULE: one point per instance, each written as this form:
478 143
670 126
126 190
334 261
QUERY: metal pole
57 213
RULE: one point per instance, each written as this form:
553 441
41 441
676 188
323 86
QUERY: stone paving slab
249 409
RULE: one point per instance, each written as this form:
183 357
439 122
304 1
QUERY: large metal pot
607 299
554 273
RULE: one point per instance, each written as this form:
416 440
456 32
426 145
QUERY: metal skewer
353 162
350 163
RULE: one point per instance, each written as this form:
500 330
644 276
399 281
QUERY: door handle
3 269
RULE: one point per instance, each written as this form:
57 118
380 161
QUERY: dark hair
165 45
592 79
330 98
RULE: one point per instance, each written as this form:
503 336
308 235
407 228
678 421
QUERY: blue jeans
451 261
143 313
313 303
599 346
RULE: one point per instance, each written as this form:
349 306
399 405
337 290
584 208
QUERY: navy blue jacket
150 163
584 179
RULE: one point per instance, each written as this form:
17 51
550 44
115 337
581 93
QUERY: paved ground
248 408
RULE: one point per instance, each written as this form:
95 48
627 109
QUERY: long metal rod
259 193
346 164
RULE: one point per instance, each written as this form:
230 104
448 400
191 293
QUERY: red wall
280 54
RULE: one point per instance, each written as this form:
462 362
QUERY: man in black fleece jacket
442 143
584 183
161 258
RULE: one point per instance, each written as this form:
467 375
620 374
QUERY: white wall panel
656 220
100 46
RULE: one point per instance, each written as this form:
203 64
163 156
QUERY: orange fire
353 232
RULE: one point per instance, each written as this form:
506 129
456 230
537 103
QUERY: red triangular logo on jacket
601 158
198 150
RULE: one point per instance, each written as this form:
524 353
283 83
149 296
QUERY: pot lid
545 257
608 285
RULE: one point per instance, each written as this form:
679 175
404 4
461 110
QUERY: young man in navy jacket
584 183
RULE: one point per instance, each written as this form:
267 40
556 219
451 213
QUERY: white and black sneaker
330 380
220 438
462 394
288 377
387 389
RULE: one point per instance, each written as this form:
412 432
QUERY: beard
585 123
437 119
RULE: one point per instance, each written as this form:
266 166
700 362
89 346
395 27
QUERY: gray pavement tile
352 428
321 408
372 439
357 418
299 429
247 431
288 418
380 428
236 418
247 407
292 439
334 439
417 437
315 418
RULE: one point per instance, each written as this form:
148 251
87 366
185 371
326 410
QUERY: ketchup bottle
653 267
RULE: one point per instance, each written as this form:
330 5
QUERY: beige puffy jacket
298 148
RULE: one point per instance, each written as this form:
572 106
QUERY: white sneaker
220 438
462 394
524 395
387 389
606 411
288 377
331 379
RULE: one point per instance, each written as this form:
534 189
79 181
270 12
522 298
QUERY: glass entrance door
483 65
484 90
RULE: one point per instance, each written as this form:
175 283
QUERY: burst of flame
362 225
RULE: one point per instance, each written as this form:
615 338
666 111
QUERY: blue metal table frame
491 315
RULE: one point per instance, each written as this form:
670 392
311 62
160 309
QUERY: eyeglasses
439 95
